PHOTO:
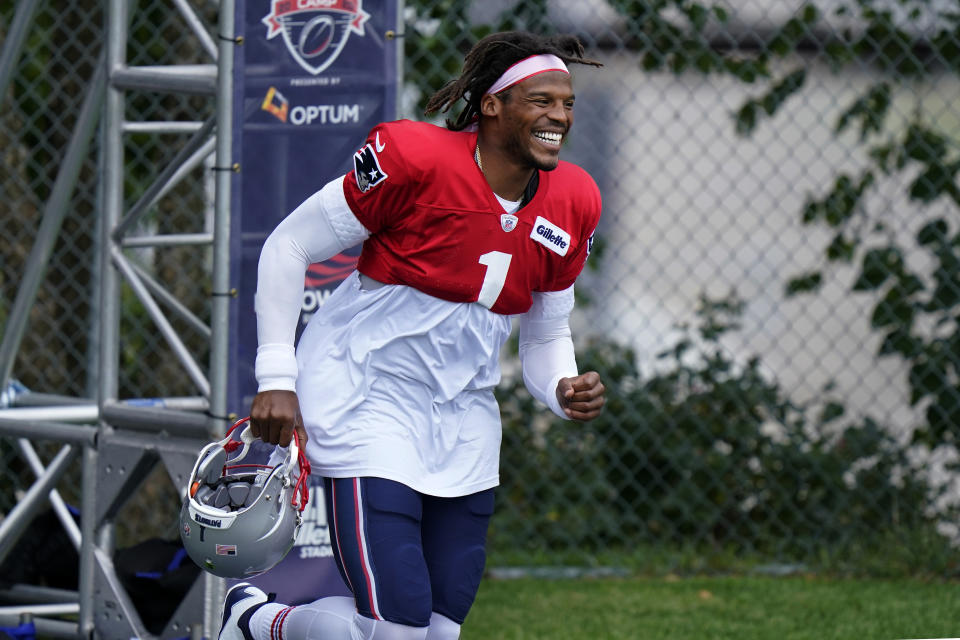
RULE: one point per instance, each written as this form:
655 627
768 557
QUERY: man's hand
274 415
582 397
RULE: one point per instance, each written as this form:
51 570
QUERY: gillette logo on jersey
551 236
315 31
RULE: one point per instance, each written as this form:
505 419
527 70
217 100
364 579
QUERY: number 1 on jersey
497 263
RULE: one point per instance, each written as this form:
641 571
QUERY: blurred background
773 300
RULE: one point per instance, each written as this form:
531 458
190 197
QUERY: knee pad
330 617
368 629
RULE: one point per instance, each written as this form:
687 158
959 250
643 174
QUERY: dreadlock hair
489 59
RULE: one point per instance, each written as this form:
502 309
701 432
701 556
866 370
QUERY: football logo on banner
315 31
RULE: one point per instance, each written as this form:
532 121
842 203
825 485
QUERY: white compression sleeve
546 348
317 230
442 628
330 618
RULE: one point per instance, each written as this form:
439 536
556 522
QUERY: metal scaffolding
118 442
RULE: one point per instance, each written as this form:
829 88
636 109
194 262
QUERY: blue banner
311 78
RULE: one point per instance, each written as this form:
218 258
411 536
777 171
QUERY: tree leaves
917 314
769 103
900 341
894 309
870 109
923 144
878 266
789 36
935 180
842 248
805 283
840 204
934 232
941 417
671 35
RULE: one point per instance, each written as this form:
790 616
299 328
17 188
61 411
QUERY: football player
462 227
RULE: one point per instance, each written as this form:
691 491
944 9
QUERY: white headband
526 68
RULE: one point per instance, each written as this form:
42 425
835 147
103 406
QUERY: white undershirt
510 206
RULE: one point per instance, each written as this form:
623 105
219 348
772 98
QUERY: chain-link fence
59 352
773 301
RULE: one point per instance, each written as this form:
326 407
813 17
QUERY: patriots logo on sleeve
366 169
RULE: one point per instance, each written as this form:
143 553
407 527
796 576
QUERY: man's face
537 114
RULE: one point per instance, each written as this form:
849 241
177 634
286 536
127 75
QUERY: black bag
43 556
157 575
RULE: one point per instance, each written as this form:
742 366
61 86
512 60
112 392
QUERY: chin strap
233 445
302 488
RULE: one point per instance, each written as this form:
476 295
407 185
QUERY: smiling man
462 227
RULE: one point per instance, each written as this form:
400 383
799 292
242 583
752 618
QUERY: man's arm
317 230
549 364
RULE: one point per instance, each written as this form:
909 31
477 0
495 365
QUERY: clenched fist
582 397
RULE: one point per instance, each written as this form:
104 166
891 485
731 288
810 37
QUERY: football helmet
242 504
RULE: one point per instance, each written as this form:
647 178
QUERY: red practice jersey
436 225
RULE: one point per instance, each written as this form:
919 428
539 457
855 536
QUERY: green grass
903 553
740 608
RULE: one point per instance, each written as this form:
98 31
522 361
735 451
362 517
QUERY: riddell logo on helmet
208 522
